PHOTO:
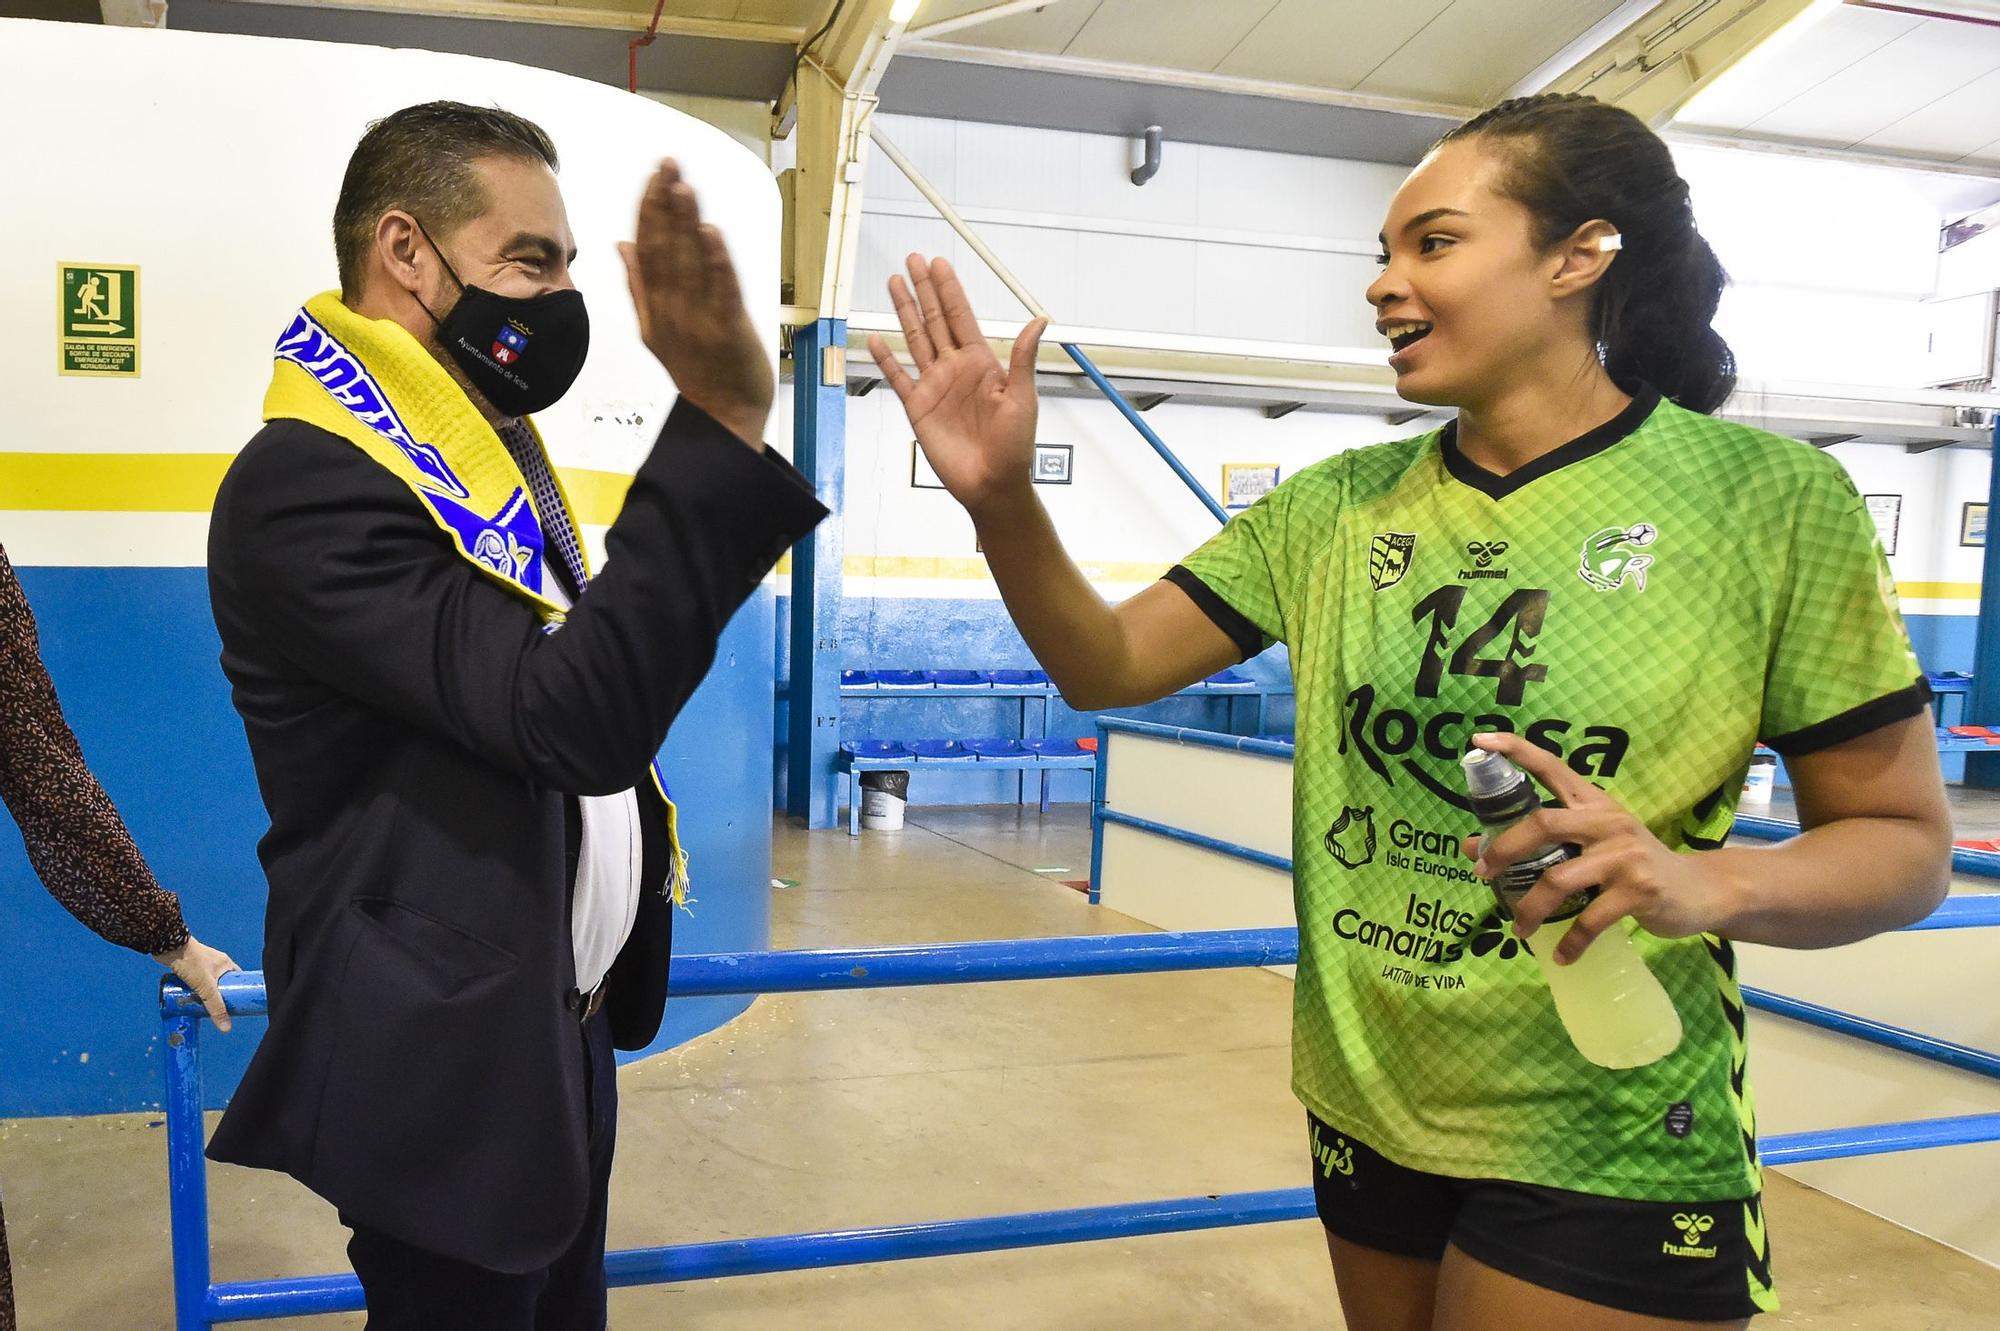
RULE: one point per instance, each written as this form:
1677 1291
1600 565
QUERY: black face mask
521 352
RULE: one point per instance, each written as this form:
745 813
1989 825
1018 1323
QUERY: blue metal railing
1902 1040
1970 863
1965 912
1146 432
1201 739
200 1303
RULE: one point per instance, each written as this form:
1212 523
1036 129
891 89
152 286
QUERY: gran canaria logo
1351 838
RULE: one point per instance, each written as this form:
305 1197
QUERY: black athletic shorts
1696 1261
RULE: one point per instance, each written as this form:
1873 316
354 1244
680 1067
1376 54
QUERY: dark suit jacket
417 738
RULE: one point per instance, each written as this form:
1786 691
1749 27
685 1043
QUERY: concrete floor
832 1110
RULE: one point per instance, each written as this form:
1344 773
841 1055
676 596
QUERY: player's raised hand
974 417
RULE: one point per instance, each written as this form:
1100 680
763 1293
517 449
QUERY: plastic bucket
883 797
1762 777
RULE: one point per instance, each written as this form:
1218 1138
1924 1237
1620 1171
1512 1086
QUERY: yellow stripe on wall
945 568
1938 591
111 482
187 482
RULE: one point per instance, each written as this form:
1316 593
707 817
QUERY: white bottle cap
1487 774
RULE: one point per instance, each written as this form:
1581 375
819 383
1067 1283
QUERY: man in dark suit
469 861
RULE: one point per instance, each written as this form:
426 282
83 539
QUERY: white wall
1224 242
1831 266
1831 263
1125 517
1934 487
223 194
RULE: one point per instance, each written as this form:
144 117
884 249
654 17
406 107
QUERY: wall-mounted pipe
645 38
1149 168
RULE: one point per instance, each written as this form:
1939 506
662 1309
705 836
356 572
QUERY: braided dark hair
1573 159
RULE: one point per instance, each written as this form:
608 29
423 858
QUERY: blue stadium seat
937 749
875 748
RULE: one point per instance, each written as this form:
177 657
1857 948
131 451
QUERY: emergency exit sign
97 320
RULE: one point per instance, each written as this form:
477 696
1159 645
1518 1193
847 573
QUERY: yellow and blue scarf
373 384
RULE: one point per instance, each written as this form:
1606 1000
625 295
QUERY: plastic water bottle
1613 1006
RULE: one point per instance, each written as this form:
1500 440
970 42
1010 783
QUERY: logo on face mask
494 362
509 344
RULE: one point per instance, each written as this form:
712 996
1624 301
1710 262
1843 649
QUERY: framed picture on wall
1972 525
1887 511
921 475
1052 463
1244 483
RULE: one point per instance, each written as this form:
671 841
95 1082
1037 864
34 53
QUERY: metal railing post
187 1170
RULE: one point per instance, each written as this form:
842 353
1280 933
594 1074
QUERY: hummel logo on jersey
1482 554
1615 555
1389 558
1692 1227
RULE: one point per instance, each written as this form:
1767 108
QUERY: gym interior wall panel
1138 282
1807 1079
886 243
930 143
1175 887
137 174
1016 167
1041 259
1243 798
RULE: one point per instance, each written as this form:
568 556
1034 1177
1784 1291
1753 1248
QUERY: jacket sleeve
334 563
74 836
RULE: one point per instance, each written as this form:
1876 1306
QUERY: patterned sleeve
76 840
1242 577
1840 663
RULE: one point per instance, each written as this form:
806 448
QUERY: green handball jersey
1647 602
